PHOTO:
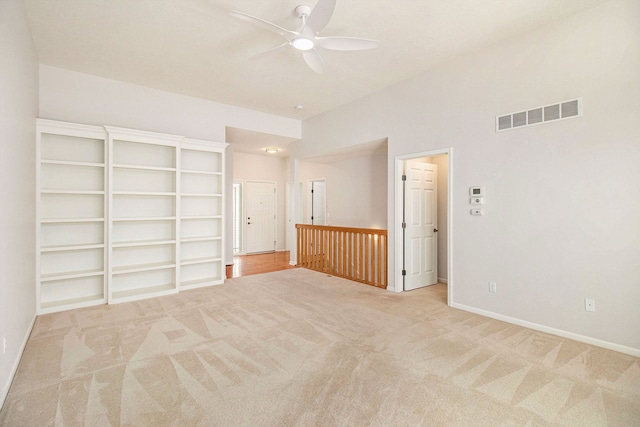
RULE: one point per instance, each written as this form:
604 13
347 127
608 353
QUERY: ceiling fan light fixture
305 38
302 43
271 150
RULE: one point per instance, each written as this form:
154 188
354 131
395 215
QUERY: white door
420 243
317 202
260 216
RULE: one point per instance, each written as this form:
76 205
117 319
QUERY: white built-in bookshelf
125 214
201 209
71 202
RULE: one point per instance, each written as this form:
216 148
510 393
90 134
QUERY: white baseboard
16 363
442 280
553 331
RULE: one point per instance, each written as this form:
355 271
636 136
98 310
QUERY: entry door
420 243
260 216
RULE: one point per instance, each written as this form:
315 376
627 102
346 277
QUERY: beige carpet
300 348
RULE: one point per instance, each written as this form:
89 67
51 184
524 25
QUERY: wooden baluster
379 260
300 246
316 240
354 253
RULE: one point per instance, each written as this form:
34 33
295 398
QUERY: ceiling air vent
538 115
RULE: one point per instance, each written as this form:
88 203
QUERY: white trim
398 217
398 224
142 136
16 363
549 330
442 280
203 145
74 129
241 249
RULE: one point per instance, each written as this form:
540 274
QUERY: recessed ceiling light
299 107
271 150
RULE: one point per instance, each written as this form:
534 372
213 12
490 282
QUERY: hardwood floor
246 265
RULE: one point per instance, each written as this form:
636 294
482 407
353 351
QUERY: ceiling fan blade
346 43
314 61
269 51
265 25
321 14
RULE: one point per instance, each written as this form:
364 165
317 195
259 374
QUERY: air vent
538 115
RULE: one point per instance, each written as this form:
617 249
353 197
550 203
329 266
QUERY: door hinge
404 225
404 272
404 177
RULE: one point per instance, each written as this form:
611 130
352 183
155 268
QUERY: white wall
356 189
252 167
82 98
562 198
18 110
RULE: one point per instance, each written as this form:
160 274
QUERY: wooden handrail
358 254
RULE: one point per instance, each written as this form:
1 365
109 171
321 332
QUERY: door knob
435 230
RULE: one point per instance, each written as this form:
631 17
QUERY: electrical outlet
589 304
492 287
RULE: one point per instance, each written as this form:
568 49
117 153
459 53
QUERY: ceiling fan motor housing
303 11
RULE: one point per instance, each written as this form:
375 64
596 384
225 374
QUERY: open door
317 202
420 225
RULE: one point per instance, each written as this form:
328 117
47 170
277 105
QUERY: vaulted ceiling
196 48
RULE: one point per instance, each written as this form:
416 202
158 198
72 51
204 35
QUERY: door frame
399 203
242 227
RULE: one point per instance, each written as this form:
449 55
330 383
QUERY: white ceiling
194 47
252 142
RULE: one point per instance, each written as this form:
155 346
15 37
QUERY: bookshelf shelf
125 214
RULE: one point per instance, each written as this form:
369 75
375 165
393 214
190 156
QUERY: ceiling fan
305 38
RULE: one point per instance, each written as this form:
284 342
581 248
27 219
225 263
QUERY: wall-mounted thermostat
476 191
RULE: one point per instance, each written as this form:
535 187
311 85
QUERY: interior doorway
406 253
420 223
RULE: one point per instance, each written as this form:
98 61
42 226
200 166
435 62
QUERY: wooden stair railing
358 254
